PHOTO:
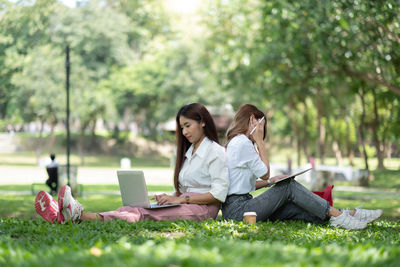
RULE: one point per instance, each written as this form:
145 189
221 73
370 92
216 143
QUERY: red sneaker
46 206
70 209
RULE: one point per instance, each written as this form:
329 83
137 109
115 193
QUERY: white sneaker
69 208
367 215
347 221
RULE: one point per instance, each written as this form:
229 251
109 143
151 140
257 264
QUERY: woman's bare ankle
334 212
91 217
100 217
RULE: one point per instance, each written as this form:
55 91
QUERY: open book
288 176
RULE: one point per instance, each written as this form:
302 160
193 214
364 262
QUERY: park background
326 73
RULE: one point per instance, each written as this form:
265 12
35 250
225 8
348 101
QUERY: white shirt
244 165
52 164
205 170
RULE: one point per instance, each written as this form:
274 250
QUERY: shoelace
80 209
348 222
359 207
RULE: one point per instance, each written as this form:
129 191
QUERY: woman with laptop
200 179
247 160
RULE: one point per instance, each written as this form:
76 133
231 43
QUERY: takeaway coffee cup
250 217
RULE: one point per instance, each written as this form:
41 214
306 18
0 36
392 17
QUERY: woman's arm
262 184
268 182
263 155
258 138
205 198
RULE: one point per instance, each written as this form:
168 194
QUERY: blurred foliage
326 73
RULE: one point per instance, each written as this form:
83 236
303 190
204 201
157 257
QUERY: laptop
134 190
291 175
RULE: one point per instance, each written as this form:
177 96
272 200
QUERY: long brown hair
240 123
199 113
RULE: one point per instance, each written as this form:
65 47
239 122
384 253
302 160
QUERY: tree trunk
351 158
305 134
298 150
295 130
81 140
338 153
375 127
39 143
388 150
80 148
362 137
93 140
349 147
52 138
321 128
127 118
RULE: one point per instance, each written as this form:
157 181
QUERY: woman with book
200 179
247 160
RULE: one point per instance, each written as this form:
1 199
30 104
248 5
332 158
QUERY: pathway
29 175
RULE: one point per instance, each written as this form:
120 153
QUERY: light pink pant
193 212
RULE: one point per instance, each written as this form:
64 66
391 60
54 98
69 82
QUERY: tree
40 95
298 51
95 33
22 26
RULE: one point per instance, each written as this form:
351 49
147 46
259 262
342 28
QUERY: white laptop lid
133 188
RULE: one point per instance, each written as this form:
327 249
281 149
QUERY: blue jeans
287 200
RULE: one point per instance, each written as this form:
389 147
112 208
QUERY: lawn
27 240
106 197
186 243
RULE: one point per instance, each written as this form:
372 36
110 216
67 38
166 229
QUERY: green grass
388 202
388 179
186 243
91 187
28 240
98 198
21 206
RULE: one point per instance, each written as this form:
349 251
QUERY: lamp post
67 69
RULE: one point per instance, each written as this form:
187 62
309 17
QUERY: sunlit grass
21 206
28 240
187 243
90 188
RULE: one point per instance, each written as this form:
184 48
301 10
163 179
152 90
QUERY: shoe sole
43 200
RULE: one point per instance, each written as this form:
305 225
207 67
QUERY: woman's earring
203 125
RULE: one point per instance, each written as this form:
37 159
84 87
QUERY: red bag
326 194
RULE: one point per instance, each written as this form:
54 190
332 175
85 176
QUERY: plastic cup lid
250 213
